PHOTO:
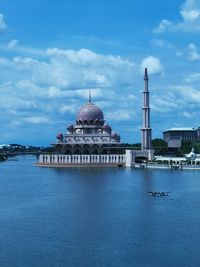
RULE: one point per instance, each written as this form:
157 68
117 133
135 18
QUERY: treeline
159 145
3 157
186 147
17 148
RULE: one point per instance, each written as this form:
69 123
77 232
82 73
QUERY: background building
174 136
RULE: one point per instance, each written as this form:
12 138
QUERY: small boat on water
158 194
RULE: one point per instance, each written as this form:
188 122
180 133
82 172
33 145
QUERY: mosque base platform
79 165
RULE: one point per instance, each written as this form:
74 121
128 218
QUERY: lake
97 217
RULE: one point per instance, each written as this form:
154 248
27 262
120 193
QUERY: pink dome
90 112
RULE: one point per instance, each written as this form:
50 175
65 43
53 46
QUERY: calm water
101 217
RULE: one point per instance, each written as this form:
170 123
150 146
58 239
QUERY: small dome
90 112
114 134
59 135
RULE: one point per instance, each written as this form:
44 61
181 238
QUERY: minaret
146 129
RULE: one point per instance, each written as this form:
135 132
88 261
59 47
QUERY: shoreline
136 166
78 165
167 167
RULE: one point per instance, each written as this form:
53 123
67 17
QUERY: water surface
97 217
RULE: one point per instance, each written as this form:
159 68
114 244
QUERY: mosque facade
89 135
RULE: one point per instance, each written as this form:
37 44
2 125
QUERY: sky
53 52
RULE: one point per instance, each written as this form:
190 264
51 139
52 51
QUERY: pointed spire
146 74
90 98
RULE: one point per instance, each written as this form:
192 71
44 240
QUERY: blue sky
53 52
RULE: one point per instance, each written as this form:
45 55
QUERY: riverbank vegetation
3 157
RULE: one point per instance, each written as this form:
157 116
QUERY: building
89 135
90 142
174 136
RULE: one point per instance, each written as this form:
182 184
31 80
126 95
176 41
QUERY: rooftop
181 129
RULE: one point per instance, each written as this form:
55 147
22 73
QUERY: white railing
81 159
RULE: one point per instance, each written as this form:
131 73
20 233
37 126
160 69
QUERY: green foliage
2 157
186 147
160 146
159 143
196 146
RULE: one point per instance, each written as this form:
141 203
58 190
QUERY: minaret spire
146 129
90 98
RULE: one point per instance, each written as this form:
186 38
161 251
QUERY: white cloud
132 98
71 69
188 93
153 64
57 85
191 53
12 43
190 13
190 10
121 115
3 25
85 68
162 43
163 26
72 108
188 115
192 77
37 120
163 104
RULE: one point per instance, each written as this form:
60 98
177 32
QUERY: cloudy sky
53 52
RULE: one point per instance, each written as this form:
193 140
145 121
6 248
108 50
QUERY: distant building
174 136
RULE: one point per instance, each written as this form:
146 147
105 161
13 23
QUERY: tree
159 145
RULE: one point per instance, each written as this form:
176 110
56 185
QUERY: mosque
89 135
90 141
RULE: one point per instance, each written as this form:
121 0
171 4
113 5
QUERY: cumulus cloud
191 53
74 69
72 108
191 78
182 100
163 26
85 68
162 43
163 104
190 13
188 115
55 86
188 93
12 43
121 115
3 25
37 120
153 64
190 10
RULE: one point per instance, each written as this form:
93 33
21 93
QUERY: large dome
90 112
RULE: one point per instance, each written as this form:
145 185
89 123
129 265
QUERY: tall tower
146 129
